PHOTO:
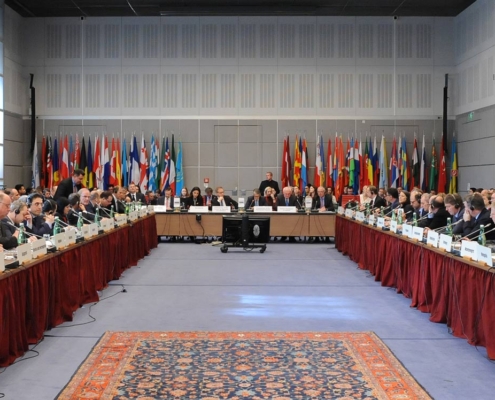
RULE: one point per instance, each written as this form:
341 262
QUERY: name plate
393 226
39 248
176 202
143 211
380 222
133 215
360 216
60 241
221 209
240 202
407 230
106 224
70 235
432 238
469 250
198 209
286 209
340 210
93 228
160 209
121 220
308 203
2 262
262 209
417 233
150 209
24 253
348 213
371 219
445 242
485 255
86 231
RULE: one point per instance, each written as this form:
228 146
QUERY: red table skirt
44 294
451 290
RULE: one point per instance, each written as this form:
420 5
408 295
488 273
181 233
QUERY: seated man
223 200
438 213
392 198
322 201
118 199
106 202
255 200
36 223
167 200
209 197
8 213
476 214
287 199
455 207
298 196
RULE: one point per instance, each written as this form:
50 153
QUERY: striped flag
453 168
153 165
143 166
179 176
165 168
171 177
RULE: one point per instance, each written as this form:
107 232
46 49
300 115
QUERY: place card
308 203
60 240
262 209
340 210
445 242
93 228
86 231
133 215
70 235
2 261
160 209
407 230
24 253
371 219
107 224
393 226
198 209
348 213
485 255
360 216
469 250
39 248
121 220
380 222
240 202
417 233
432 238
286 209
221 209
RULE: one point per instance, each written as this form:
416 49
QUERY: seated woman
49 207
270 198
405 205
63 209
184 197
72 217
195 198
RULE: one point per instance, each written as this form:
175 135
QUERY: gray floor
291 287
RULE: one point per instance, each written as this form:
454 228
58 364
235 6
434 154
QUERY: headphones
435 204
477 203
31 197
16 206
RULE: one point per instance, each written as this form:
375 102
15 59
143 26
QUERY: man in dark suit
118 198
297 194
376 201
209 197
167 200
35 223
255 200
322 201
7 239
438 213
287 199
135 194
269 182
455 207
70 185
223 200
393 200
476 214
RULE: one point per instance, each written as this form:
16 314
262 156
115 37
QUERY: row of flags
109 163
361 163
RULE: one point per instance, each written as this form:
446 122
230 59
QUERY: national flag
90 176
318 164
49 163
35 181
105 162
297 163
383 181
393 165
399 162
171 176
329 171
433 167
113 164
404 166
165 168
342 166
363 178
97 167
352 164
304 166
323 169
125 166
335 165
453 168
376 164
71 156
416 170
64 167
347 163
179 175
143 166
83 163
286 164
77 153
135 174
56 172
442 173
422 167
118 165
357 167
43 176
153 165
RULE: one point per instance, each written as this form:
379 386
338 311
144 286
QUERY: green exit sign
471 116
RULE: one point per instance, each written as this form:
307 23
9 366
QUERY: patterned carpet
234 365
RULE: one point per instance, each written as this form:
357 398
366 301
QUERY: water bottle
56 227
79 224
97 218
415 219
482 237
448 230
111 212
382 212
21 239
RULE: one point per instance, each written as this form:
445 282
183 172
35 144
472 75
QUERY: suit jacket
190 201
118 206
139 197
6 231
270 202
250 202
292 201
328 203
65 188
393 206
39 227
273 184
439 219
474 226
161 202
457 230
377 203
229 201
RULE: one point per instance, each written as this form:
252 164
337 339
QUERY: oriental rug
247 365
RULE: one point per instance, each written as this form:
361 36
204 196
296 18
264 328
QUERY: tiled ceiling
125 8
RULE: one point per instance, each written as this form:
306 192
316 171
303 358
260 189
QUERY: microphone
26 232
445 227
300 206
477 230
85 219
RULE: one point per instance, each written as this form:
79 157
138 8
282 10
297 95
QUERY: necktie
74 189
256 203
322 201
223 203
133 197
286 202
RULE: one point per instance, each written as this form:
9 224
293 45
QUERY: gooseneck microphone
26 232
